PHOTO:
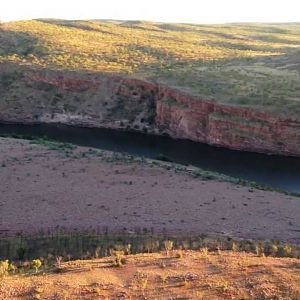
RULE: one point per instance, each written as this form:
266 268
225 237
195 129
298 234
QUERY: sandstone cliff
184 116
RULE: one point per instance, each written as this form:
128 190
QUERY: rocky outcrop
98 100
183 116
34 96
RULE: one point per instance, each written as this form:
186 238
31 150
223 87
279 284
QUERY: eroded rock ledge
98 100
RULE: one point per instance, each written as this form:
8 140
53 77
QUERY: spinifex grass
253 65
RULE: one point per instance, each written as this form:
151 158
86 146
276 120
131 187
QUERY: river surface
276 171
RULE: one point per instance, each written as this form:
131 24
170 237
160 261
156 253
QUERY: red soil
42 189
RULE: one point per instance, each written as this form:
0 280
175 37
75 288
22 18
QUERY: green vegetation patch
87 245
53 145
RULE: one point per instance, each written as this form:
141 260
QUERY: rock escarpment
34 96
194 118
98 100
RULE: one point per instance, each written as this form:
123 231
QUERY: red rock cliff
117 102
184 116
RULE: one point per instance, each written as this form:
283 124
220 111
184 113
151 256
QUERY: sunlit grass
99 46
252 65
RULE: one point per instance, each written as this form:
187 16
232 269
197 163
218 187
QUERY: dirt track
45 189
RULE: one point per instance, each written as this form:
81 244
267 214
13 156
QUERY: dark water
276 171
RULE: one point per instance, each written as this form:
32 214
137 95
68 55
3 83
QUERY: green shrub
4 268
36 264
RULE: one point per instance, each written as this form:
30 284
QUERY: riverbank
267 172
45 188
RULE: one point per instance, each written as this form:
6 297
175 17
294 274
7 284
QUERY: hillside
115 193
255 65
234 85
180 275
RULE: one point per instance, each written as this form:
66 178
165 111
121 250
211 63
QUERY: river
276 171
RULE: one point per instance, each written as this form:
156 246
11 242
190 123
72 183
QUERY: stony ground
190 275
79 189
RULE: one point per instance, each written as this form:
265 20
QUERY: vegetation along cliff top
251 65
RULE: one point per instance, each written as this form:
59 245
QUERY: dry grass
190 275
251 65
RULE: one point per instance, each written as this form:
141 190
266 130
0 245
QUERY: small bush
168 244
97 252
259 249
36 264
142 280
4 268
235 247
118 258
204 251
287 249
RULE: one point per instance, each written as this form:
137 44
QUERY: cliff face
117 102
183 116
33 96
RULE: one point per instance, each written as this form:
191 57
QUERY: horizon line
152 21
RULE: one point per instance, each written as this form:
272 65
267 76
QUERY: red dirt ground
45 189
229 275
